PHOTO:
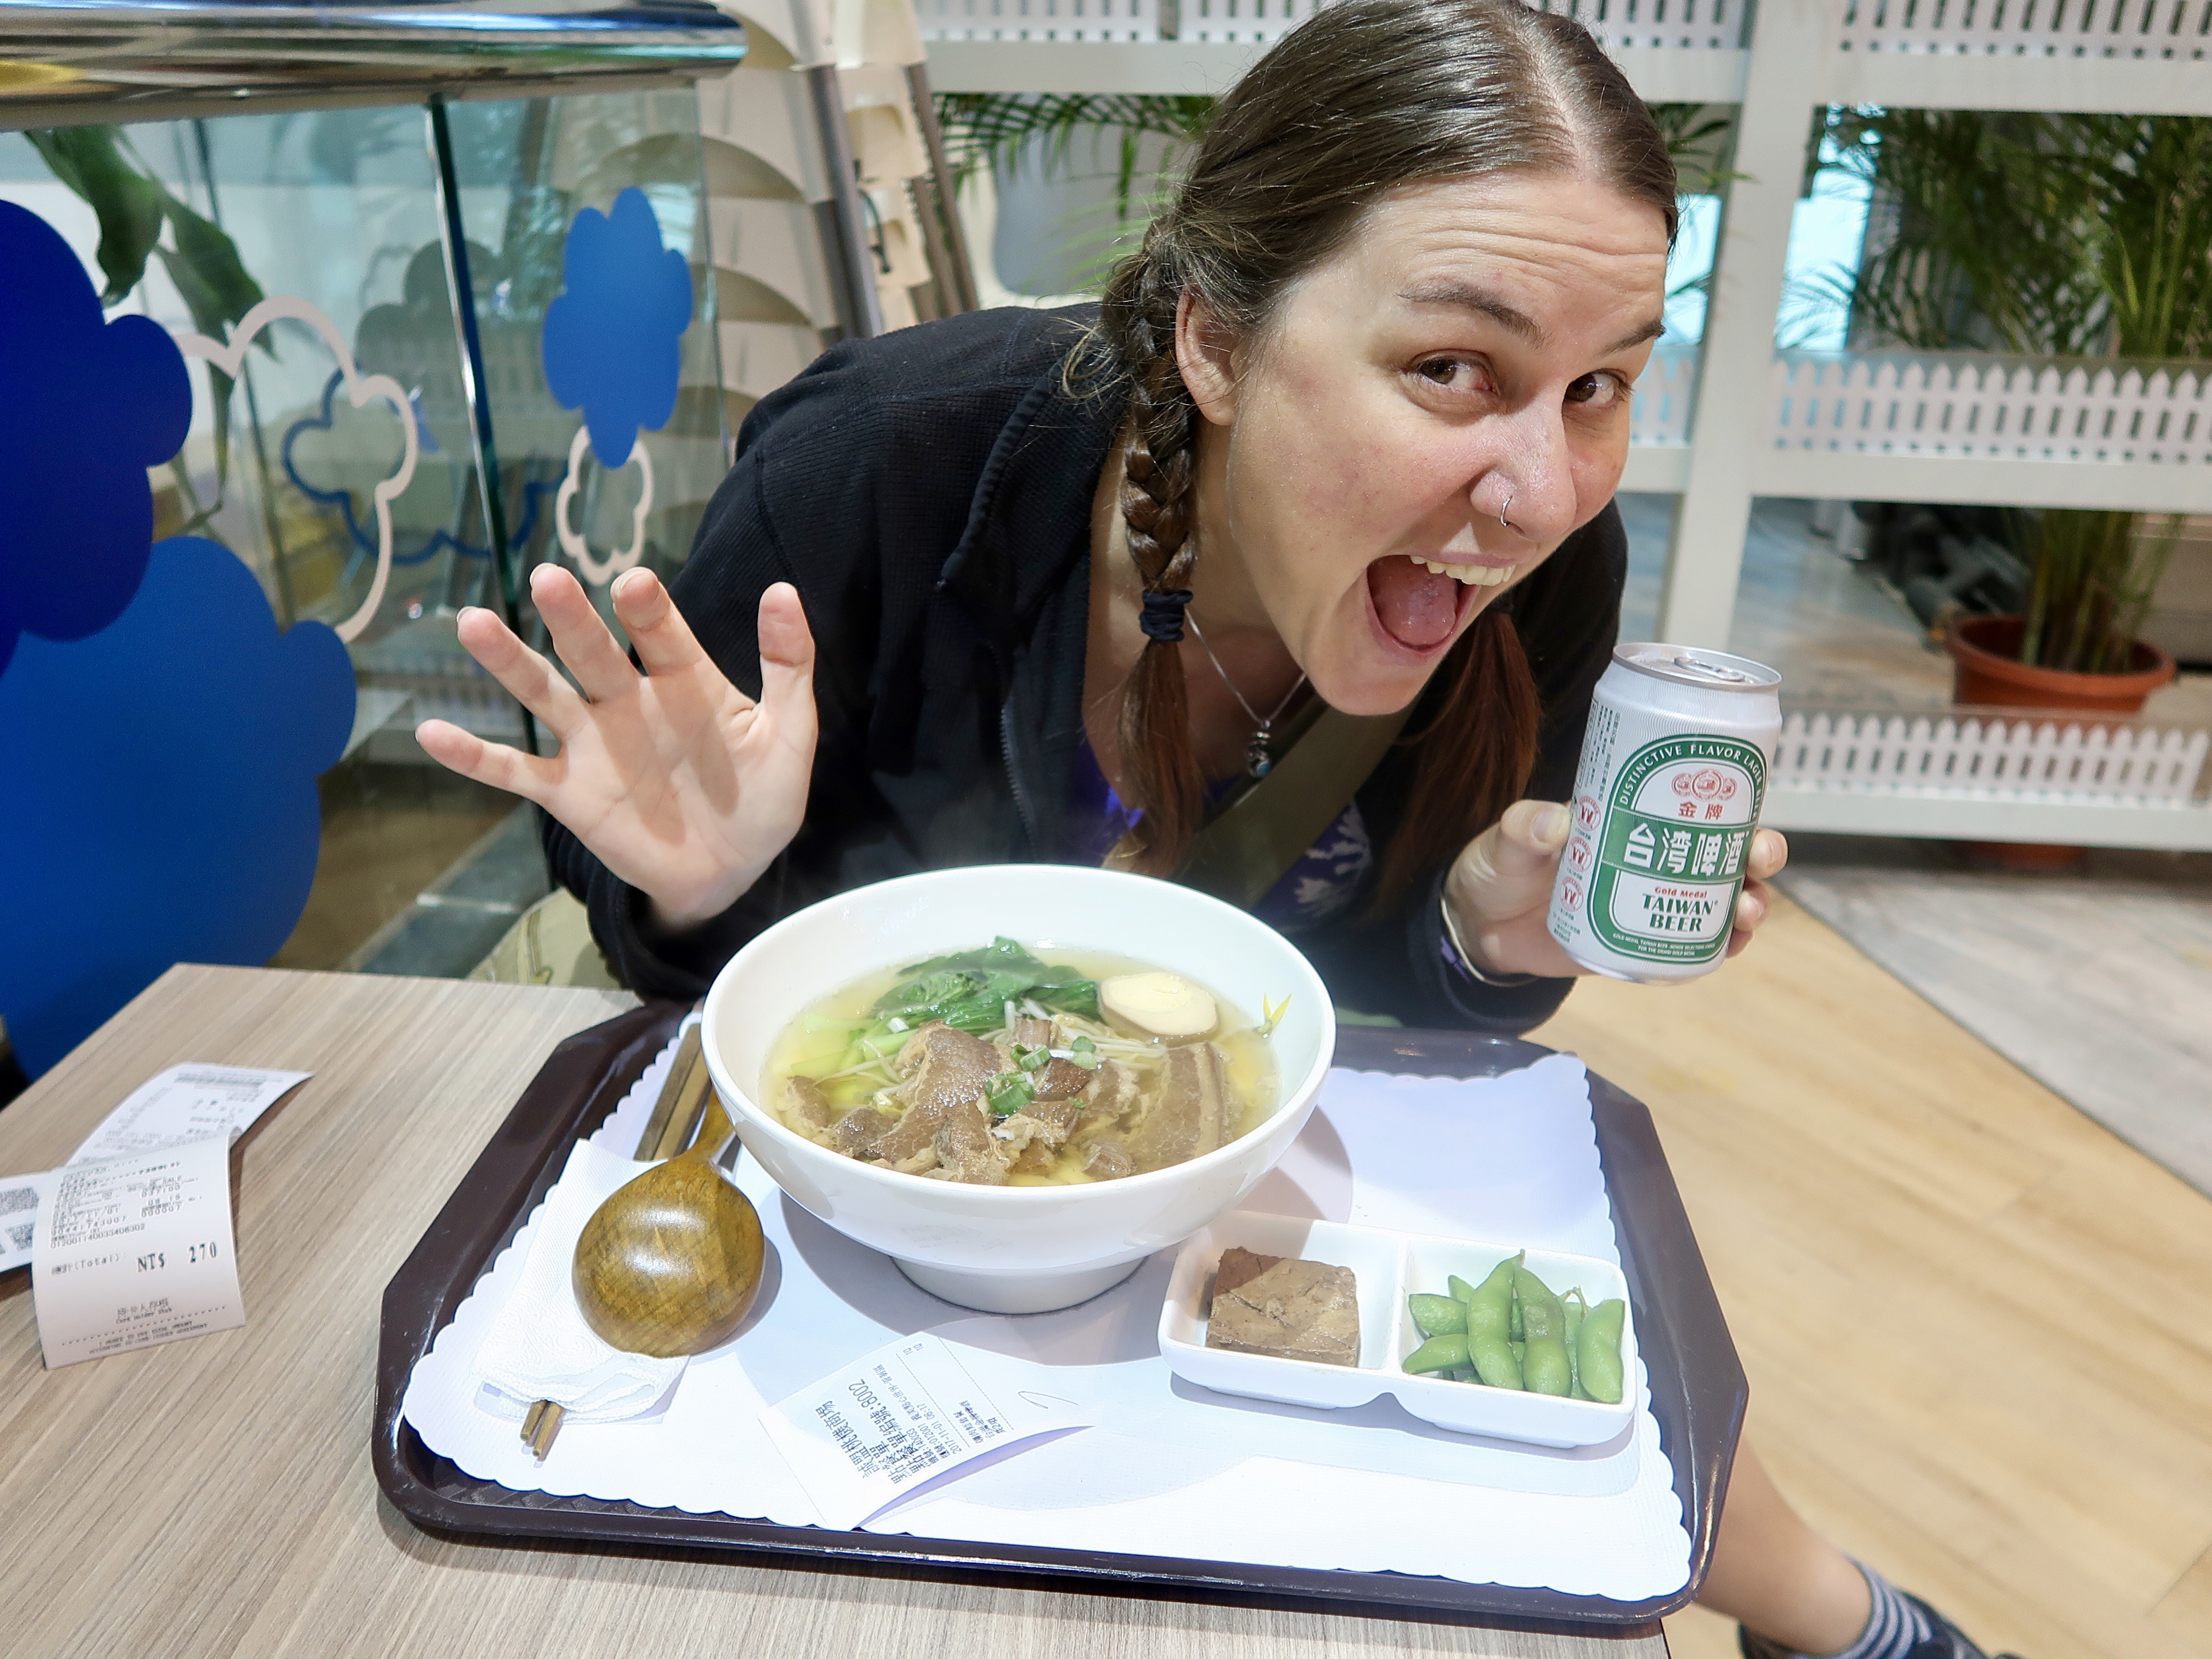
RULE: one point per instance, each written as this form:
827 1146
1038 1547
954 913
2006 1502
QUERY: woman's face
1467 355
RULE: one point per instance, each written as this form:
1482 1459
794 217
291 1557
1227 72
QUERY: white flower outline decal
360 388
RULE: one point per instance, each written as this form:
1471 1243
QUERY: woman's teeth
1475 576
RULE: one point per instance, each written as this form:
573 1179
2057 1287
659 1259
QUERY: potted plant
2070 236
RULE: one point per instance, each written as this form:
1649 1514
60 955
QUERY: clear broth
1248 1060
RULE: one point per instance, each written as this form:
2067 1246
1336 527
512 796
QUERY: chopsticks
676 1119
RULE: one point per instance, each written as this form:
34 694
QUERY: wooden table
214 1496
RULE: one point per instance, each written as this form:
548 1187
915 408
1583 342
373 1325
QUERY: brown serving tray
1698 1387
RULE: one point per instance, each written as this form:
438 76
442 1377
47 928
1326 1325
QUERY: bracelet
1501 982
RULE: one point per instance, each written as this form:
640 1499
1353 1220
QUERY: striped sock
1893 1628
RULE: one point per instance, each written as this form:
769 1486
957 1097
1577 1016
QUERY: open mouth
1420 602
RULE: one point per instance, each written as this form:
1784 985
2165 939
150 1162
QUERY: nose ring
1503 510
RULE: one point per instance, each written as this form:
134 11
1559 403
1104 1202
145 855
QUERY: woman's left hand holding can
1500 890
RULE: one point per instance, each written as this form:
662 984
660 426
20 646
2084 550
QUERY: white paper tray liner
1173 1470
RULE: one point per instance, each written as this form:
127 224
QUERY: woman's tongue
1417 607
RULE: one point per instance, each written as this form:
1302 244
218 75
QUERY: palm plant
2044 234
102 166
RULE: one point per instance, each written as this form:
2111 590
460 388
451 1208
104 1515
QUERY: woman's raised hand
1501 888
682 786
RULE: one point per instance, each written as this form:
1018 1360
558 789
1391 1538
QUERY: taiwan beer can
1674 770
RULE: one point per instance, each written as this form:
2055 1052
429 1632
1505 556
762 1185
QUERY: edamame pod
1545 1369
1461 1290
1438 1353
1597 1350
1489 1306
1438 1316
1573 1307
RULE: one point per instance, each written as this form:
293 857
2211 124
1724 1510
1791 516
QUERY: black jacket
929 494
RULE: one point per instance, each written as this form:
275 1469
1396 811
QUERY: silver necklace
1259 757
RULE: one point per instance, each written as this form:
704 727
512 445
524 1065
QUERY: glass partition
304 267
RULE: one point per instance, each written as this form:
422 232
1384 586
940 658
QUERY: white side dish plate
1389 1267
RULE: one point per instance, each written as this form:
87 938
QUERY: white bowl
1013 1250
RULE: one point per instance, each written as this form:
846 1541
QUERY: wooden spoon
670 1263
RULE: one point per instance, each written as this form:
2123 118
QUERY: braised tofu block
1185 1118
1290 1309
943 1067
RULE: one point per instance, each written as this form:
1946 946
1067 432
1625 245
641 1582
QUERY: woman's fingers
579 636
494 764
1751 907
664 640
787 651
1769 853
531 679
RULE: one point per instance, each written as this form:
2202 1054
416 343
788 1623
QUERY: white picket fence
1038 20
2013 409
2040 757
1666 396
1707 24
2030 29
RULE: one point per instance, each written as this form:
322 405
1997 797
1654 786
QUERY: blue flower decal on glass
611 336
86 406
160 778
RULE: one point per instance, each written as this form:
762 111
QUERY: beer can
1666 799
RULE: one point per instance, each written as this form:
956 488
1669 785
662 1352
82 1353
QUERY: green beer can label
1669 848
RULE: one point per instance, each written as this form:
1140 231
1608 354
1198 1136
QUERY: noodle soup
1001 1067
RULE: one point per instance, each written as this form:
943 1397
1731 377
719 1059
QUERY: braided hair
1364 97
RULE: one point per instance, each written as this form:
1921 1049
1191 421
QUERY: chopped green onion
1007 1093
1030 1059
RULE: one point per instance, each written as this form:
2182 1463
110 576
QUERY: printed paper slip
132 1251
183 1103
908 1414
19 1215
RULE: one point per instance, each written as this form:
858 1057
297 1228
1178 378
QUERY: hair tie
1163 618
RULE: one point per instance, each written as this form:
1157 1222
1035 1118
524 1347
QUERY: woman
1347 429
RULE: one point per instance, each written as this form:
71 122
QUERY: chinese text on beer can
1674 770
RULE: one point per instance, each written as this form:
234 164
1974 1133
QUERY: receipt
185 1103
19 1213
132 1251
875 1432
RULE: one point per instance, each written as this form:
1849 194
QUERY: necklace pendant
1257 759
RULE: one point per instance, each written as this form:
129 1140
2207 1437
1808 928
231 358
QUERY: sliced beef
805 1108
964 1145
1032 1137
943 1066
1186 1116
904 1136
1060 1079
1107 1098
1107 1160
858 1130
1036 1034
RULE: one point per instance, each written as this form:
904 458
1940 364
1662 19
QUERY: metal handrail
64 63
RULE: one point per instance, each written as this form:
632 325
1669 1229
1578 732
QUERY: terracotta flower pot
1986 671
